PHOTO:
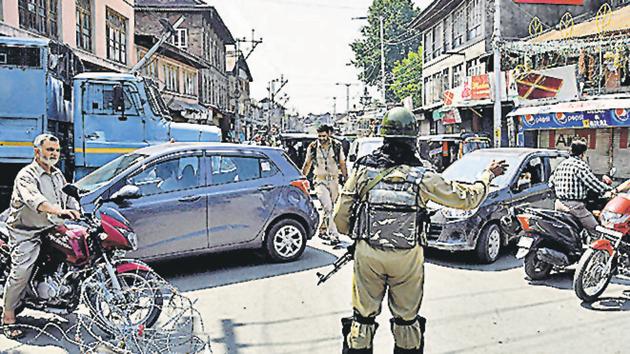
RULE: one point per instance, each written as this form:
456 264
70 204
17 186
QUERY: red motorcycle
85 258
607 256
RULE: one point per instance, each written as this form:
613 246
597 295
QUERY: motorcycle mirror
127 192
613 171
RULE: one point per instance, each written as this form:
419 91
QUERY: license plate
524 244
609 232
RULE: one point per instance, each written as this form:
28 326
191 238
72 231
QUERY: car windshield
469 168
104 174
367 147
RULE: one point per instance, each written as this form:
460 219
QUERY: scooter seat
569 219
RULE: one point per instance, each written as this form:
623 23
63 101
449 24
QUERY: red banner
480 87
551 2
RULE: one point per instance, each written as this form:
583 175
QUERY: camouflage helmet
399 122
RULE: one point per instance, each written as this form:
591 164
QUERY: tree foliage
398 37
408 78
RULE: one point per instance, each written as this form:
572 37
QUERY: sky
307 41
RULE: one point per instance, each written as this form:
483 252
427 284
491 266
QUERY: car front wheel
286 241
489 244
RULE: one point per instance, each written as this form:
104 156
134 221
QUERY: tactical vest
388 215
336 147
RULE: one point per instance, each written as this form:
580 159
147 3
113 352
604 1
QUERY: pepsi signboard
618 117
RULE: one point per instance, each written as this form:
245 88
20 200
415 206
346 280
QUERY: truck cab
96 116
119 113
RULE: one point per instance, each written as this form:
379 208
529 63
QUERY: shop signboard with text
588 119
551 2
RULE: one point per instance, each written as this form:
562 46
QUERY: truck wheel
285 241
535 268
488 244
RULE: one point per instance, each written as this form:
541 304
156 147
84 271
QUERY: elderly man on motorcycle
36 195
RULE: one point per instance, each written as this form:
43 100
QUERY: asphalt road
251 306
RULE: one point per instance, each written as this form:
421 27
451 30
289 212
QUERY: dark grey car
209 197
526 181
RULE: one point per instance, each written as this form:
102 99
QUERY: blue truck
96 115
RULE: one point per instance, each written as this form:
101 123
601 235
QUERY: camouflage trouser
24 252
327 192
375 270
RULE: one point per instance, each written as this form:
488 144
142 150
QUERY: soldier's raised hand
497 168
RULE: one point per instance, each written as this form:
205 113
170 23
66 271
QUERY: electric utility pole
254 43
273 92
383 62
498 86
382 35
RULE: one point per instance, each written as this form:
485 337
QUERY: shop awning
595 113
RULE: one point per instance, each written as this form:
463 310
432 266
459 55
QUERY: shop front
603 122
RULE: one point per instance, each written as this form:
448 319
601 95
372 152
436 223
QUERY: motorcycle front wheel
137 304
591 277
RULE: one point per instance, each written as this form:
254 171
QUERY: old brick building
204 35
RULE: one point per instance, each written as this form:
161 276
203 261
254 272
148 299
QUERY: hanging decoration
535 27
566 25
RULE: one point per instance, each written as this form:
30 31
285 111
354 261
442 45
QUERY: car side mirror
352 158
523 184
126 192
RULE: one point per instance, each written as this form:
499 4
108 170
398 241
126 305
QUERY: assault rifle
340 262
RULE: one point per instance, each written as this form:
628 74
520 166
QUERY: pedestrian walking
326 157
382 207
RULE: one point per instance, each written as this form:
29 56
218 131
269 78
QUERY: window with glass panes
437 40
428 45
180 39
171 77
459 26
448 32
84 24
474 18
116 36
40 16
190 83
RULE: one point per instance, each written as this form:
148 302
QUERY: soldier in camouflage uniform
383 207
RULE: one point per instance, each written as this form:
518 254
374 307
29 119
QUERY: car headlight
451 213
610 218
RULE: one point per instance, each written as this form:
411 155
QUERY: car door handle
193 198
266 187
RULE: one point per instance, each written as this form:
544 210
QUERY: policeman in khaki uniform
382 206
327 159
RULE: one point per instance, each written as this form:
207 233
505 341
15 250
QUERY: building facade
177 74
457 41
202 34
100 32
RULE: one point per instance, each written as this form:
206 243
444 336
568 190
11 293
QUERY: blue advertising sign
619 117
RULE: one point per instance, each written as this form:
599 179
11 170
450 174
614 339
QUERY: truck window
20 56
101 96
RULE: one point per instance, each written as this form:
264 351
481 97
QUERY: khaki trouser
578 209
327 192
24 252
375 270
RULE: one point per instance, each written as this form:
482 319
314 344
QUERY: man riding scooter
573 180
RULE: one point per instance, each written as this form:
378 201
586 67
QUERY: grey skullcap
39 140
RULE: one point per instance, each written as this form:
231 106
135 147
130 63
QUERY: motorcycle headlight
451 213
131 237
610 218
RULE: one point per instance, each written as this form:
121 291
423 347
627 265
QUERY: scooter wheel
535 268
